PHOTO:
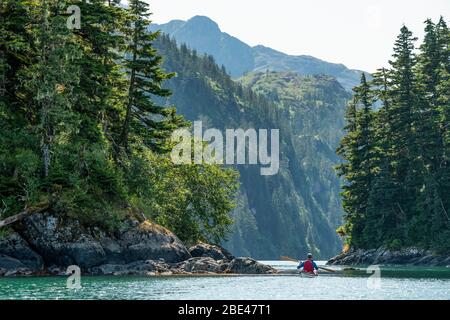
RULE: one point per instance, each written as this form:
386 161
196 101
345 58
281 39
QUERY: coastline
383 256
45 244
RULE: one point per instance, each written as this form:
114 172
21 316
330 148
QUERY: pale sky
357 33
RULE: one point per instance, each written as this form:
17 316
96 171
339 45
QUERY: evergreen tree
428 78
381 219
145 79
347 148
403 109
64 96
407 201
103 87
444 114
358 149
53 87
407 164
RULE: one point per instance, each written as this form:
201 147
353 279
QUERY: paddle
285 258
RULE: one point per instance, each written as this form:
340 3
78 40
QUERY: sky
357 33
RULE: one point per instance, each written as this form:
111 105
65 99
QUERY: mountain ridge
205 36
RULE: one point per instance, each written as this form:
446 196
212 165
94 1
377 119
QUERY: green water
394 283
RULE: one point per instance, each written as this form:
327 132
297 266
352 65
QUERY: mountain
204 35
314 107
298 209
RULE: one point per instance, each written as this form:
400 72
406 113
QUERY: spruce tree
407 202
154 122
52 77
407 164
103 85
441 197
403 110
358 149
428 77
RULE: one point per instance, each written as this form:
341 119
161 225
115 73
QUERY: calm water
395 283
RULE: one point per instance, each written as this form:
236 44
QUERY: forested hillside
298 209
314 106
80 132
85 121
397 164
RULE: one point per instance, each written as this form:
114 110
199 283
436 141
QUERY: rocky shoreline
45 244
385 256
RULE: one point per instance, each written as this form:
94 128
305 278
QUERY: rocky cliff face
47 244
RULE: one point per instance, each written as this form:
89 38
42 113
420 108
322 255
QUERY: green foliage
79 126
395 244
396 169
298 209
145 80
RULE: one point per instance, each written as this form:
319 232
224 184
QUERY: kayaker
308 266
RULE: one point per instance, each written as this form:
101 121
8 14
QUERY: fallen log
17 217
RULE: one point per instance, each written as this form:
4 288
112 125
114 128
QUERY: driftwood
445 211
17 217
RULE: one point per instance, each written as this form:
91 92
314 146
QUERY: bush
395 244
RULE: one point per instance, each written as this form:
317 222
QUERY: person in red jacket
308 266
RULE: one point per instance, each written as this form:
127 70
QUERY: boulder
213 251
57 270
9 263
49 243
113 250
63 242
14 246
12 267
383 255
149 241
149 267
201 265
245 265
19 272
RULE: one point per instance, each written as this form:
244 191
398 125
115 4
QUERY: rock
249 266
63 242
200 265
158 266
57 271
12 267
139 248
18 272
151 241
446 262
212 251
14 246
110 269
134 268
383 255
9 263
113 251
